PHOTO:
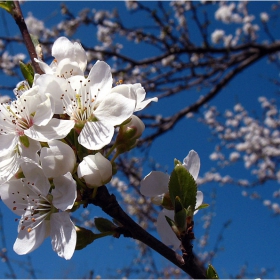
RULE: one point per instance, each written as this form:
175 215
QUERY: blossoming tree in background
69 132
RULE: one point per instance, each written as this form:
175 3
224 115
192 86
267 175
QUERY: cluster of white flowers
53 136
244 139
8 62
230 13
242 134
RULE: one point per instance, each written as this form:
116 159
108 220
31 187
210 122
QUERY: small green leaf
104 225
173 225
176 162
178 204
211 272
204 205
180 216
86 237
7 5
27 72
183 185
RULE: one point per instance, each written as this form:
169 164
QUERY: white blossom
42 213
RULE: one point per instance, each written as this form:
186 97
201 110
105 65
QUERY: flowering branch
108 203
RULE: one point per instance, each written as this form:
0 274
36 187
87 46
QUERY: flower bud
58 159
96 170
133 129
129 133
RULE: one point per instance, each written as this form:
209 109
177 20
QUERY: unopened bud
96 170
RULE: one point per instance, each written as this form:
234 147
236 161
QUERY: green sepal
173 225
129 133
183 185
166 202
8 6
125 122
180 216
86 237
204 205
178 205
75 207
24 141
104 225
27 72
176 162
211 272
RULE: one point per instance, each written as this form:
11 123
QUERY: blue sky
253 234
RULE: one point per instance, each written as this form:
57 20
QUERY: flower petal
155 183
55 129
44 112
167 235
63 234
58 159
67 68
34 174
44 66
8 143
144 103
55 86
199 200
192 163
65 192
115 109
27 242
64 48
101 80
31 151
11 193
9 165
95 135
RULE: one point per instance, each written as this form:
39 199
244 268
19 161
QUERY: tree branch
110 206
19 19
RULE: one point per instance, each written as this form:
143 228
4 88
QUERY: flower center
15 117
78 102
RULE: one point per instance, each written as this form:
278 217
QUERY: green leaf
86 237
104 225
183 185
211 272
7 5
204 205
27 72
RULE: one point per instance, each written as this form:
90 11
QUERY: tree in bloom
183 48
